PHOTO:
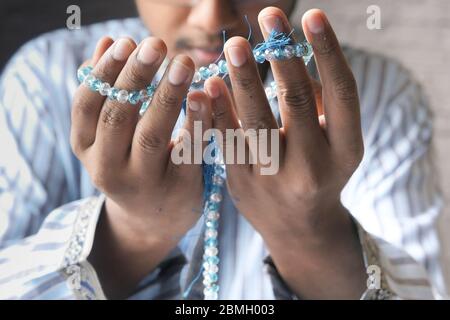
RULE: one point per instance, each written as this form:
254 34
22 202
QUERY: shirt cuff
82 277
377 286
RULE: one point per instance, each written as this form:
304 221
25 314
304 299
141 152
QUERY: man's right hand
150 202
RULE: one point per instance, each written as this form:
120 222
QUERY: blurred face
195 27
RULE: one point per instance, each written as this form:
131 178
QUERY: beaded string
278 46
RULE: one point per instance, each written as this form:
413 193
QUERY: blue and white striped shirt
49 207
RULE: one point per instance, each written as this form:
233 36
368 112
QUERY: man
110 215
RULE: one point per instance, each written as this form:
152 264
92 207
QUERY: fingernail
238 56
272 22
315 24
212 91
178 73
148 54
122 49
194 105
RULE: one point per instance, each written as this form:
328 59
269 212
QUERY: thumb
198 120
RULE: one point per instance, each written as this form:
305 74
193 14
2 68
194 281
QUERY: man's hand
148 206
298 211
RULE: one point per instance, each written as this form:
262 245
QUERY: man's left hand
298 211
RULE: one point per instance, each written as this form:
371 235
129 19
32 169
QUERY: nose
213 16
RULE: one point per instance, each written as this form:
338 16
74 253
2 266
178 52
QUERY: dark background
22 20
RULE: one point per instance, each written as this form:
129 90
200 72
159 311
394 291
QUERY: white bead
89 79
104 88
143 95
211 295
122 96
211 251
268 54
215 197
211 233
213 215
289 52
219 160
213 268
197 77
214 69
270 93
210 267
218 180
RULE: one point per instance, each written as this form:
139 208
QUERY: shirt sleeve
394 193
32 175
53 264
380 260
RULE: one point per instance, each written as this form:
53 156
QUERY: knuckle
82 105
106 69
113 116
346 88
309 188
135 77
186 140
149 142
166 100
259 122
298 98
326 48
245 82
219 113
101 179
263 122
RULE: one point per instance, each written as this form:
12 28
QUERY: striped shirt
49 207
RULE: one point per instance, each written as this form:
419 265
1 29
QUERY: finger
117 122
317 88
248 91
225 118
295 92
189 147
102 45
224 115
83 126
154 131
198 112
87 104
340 95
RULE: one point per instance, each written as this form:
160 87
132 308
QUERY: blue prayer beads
84 75
211 250
299 50
280 46
204 73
